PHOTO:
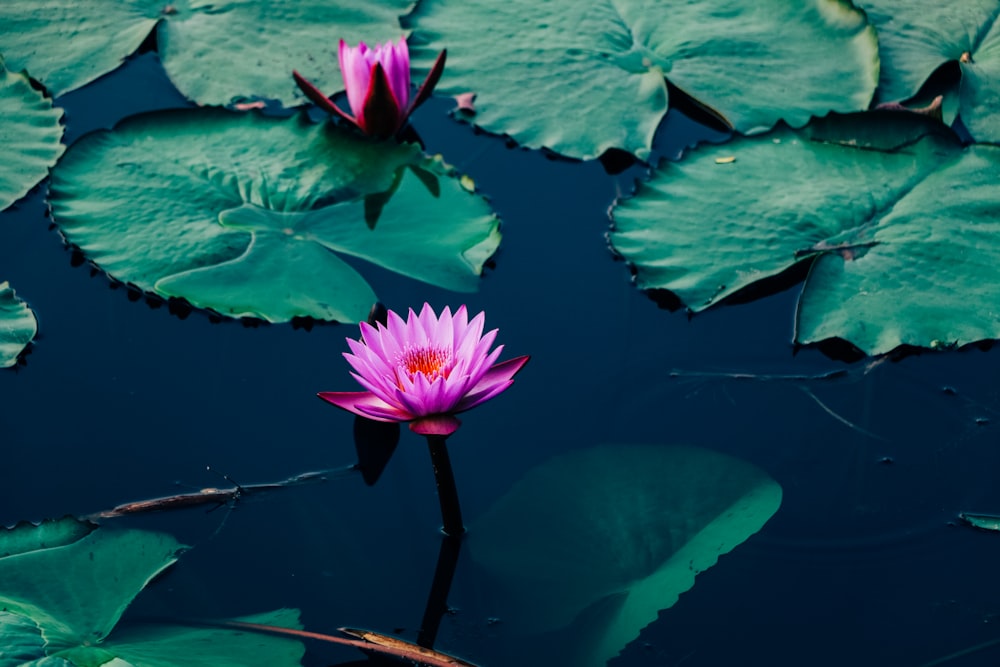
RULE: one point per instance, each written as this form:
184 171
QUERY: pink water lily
425 370
377 80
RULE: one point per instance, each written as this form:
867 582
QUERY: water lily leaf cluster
579 78
212 51
66 619
250 215
17 326
918 37
896 216
609 536
30 133
894 219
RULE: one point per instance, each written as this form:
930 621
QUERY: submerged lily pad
211 49
623 528
918 36
17 326
899 220
30 133
244 214
582 77
64 585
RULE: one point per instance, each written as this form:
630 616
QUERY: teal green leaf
918 36
222 51
50 533
622 527
900 218
216 52
68 44
65 584
17 326
30 133
179 646
929 279
20 640
247 215
99 575
582 77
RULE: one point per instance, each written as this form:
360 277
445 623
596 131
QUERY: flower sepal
443 425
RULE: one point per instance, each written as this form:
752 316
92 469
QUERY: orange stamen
432 362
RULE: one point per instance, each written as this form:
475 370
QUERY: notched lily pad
247 215
917 37
17 326
580 78
30 133
898 220
211 50
607 537
64 585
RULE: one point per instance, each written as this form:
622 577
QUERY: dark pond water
865 562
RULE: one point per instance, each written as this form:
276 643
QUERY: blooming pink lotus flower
425 370
378 86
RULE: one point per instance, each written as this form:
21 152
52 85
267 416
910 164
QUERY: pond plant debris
366 640
213 496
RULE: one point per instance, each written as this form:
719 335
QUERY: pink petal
365 404
425 326
444 332
357 74
395 58
382 389
473 399
460 322
411 400
397 330
493 382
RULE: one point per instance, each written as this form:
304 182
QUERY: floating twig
215 497
366 640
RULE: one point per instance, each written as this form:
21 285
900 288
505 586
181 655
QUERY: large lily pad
901 221
64 585
215 52
30 133
582 77
918 36
17 326
244 214
623 528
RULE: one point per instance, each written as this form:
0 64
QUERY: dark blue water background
864 563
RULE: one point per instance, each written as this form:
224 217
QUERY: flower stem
451 513
437 600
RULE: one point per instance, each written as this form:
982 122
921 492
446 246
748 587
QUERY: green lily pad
245 214
899 220
179 646
17 326
55 620
99 575
580 78
30 133
623 528
215 51
51 533
918 36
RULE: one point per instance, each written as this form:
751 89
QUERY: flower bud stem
451 513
